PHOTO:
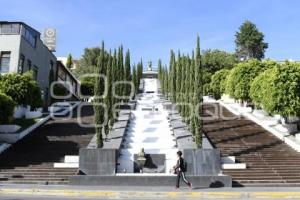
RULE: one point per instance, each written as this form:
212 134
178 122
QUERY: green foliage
198 91
69 62
35 98
134 79
87 85
21 88
7 106
127 73
98 91
59 89
218 81
277 90
250 42
240 78
214 60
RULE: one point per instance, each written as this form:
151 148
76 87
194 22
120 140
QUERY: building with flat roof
22 49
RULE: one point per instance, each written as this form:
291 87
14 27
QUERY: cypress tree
173 76
69 62
127 75
120 71
98 90
108 98
134 79
198 95
178 81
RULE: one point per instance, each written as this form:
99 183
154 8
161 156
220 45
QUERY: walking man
179 169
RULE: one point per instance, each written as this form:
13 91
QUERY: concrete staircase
31 160
269 161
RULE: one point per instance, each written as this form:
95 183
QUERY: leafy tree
241 77
69 62
281 87
217 84
7 106
87 85
214 60
21 88
250 42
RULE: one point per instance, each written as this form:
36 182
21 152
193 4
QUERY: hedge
218 83
277 90
7 106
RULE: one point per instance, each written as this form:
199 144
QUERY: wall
11 43
41 58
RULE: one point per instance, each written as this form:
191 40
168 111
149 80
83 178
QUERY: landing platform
150 180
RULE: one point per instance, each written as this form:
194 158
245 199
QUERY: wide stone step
36 177
41 182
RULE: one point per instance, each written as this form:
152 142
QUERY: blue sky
151 28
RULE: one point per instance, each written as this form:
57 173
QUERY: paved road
24 192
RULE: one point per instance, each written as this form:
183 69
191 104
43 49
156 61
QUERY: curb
149 195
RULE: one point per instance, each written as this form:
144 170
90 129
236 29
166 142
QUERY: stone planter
260 113
19 112
53 109
33 114
8 133
286 128
9 128
226 99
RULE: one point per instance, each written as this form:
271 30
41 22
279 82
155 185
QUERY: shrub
16 86
60 89
240 78
281 90
35 99
21 88
87 86
7 106
217 84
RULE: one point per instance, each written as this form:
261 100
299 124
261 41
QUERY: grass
24 123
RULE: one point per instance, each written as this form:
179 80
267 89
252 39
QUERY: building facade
65 75
21 50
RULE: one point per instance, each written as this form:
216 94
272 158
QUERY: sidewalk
148 192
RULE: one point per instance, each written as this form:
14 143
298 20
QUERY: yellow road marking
136 194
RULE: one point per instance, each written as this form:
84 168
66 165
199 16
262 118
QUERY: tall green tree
198 92
98 91
214 60
108 98
127 73
250 42
134 79
120 71
69 62
173 76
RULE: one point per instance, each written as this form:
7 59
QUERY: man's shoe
190 186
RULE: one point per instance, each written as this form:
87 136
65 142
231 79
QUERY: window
21 64
35 72
10 29
4 62
29 64
30 37
51 65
